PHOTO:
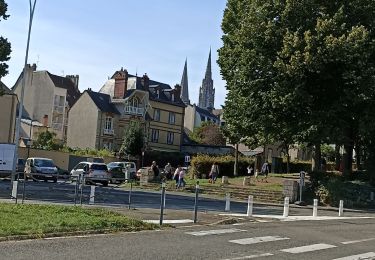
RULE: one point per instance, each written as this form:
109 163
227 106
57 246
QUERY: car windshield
113 164
101 167
21 161
43 163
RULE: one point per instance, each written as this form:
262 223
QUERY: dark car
118 174
62 174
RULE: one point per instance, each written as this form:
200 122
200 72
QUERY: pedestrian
249 170
265 170
214 172
155 169
176 175
168 171
181 178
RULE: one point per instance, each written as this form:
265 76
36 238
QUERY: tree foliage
208 133
133 139
47 141
299 70
4 44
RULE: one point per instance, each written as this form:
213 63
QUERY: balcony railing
134 110
57 126
108 131
58 109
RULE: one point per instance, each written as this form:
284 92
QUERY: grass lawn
40 220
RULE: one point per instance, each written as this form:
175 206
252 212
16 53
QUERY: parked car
40 168
63 174
93 172
118 170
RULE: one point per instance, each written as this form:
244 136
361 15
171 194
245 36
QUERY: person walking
265 170
176 175
155 169
168 171
214 172
181 179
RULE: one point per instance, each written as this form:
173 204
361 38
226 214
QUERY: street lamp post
20 110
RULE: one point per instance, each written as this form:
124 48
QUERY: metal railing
134 110
108 131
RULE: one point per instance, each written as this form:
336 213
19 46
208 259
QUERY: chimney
33 67
177 91
74 79
145 81
121 82
45 120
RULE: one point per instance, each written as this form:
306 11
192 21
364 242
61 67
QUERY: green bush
297 166
201 164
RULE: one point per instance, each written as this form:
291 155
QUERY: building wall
83 123
189 122
8 106
164 127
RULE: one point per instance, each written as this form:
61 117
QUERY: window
134 102
172 118
157 115
154 135
108 123
170 138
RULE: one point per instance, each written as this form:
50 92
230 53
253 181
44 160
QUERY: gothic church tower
207 91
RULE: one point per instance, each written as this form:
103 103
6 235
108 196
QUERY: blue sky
96 38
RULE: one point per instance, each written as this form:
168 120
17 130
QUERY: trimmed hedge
201 164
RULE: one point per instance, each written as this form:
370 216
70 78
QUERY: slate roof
205 112
103 102
72 93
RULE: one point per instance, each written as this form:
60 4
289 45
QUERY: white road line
215 232
255 240
368 256
357 241
249 256
309 248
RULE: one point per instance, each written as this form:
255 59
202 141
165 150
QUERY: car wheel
55 180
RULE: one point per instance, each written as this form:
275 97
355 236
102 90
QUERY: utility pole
20 110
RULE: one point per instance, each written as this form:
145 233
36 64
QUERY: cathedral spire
208 69
185 85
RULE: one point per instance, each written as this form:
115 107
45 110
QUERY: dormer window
134 102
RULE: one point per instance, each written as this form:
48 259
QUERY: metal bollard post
196 202
130 193
286 207
15 190
341 208
24 188
165 195
82 182
162 203
92 195
315 208
227 202
250 206
76 192
372 196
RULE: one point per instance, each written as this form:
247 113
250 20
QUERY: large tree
208 133
299 70
133 139
4 44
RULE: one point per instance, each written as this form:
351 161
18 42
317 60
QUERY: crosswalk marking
254 240
357 241
309 248
249 256
215 232
366 256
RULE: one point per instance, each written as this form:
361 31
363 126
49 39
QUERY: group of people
178 175
264 171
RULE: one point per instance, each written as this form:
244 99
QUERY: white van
40 168
6 159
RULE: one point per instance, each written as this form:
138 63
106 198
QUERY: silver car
92 172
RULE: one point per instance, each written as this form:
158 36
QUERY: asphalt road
274 240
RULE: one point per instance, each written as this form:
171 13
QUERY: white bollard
372 196
286 207
227 202
14 189
250 206
315 208
341 208
92 195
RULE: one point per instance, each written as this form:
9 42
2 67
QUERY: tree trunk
287 158
347 159
236 161
317 166
337 157
358 156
